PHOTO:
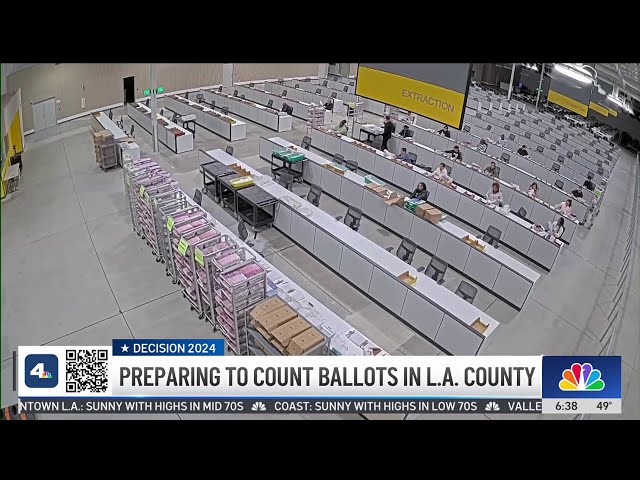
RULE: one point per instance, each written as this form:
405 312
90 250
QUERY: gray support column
540 85
154 107
513 73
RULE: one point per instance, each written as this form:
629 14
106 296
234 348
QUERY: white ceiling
625 75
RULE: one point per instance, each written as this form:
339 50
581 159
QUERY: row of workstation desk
141 114
265 116
346 96
517 233
430 309
349 84
254 94
490 268
517 171
302 95
126 146
225 126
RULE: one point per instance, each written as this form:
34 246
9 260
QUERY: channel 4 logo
41 371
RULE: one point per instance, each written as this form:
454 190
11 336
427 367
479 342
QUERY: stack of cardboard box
105 149
281 326
429 212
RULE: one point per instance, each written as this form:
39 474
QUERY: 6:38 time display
567 406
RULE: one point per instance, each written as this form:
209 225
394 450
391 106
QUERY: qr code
87 371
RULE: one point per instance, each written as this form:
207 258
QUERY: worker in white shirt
565 207
556 228
482 146
501 142
441 173
533 190
495 195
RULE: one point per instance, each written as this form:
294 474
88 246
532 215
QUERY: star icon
125 348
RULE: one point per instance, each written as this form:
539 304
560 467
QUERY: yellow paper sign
141 192
170 223
199 256
182 246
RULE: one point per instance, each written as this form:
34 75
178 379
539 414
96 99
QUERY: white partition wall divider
177 143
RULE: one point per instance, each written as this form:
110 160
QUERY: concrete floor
74 273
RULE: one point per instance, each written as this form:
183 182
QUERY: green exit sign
146 92
159 89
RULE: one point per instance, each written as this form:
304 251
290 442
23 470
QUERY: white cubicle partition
268 117
430 309
225 126
517 233
490 268
141 114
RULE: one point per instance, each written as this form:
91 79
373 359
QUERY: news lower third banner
193 376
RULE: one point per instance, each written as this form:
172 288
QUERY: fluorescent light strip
577 73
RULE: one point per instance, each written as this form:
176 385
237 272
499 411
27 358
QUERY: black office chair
584 150
413 158
306 142
285 108
467 291
243 233
467 128
111 116
597 151
600 170
555 167
220 88
197 197
410 134
224 110
540 149
270 104
522 212
558 142
507 127
200 97
560 159
559 184
541 135
146 102
435 270
284 93
577 152
313 196
377 142
131 132
569 154
527 135
286 180
599 163
334 95
229 150
212 105
505 157
489 126
345 89
325 83
297 85
492 236
318 91
512 137
405 251
351 84
251 84
242 96
553 147
338 158
235 93
352 218
352 165
186 95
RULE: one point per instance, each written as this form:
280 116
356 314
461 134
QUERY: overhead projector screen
433 90
569 93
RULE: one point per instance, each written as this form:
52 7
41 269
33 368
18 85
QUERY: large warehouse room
329 210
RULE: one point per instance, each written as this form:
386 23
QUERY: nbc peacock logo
581 377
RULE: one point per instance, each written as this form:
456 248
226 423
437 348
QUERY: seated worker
495 195
445 131
328 105
501 142
342 128
565 207
441 173
420 192
455 153
403 155
556 228
589 183
405 132
577 192
491 169
523 151
533 190
482 146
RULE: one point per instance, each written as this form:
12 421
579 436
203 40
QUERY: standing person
389 129
577 192
533 190
495 195
565 207
420 192
445 131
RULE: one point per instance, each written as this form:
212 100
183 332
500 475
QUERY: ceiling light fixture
577 72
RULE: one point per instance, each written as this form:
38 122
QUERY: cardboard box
433 215
407 278
266 307
474 242
276 318
379 189
422 209
305 341
478 326
284 333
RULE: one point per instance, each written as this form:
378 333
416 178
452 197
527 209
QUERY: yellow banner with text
613 112
568 103
431 101
596 107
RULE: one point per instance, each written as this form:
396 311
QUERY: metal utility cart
206 270
147 217
229 191
240 283
254 204
163 206
288 158
181 223
214 171
132 171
